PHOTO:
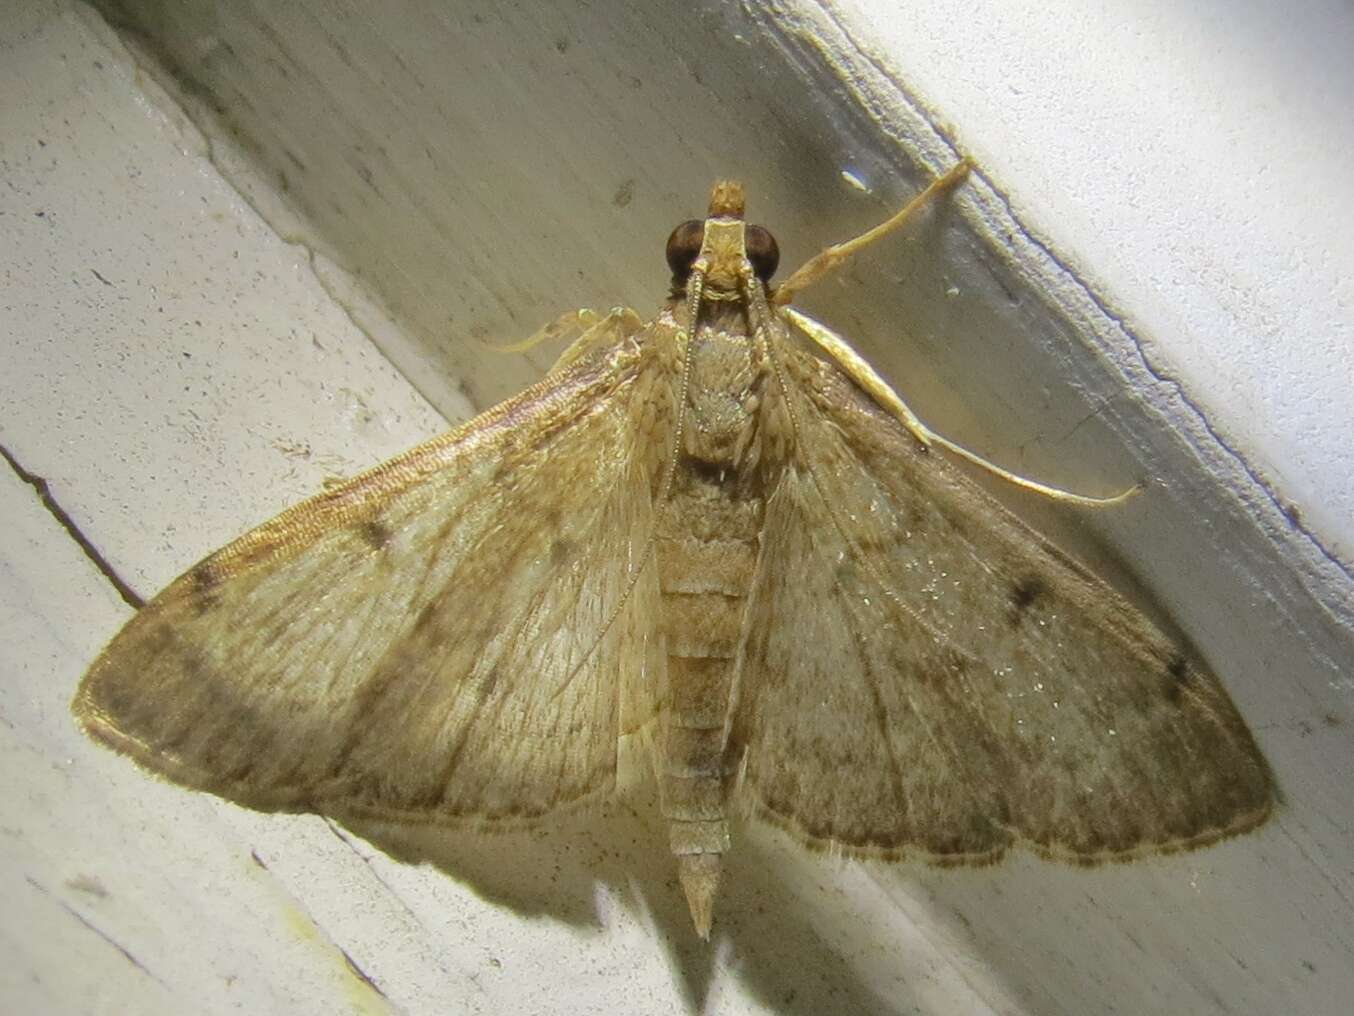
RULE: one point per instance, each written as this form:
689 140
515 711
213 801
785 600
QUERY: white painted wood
1190 161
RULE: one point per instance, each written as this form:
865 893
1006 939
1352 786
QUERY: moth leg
878 389
830 258
583 327
567 324
620 323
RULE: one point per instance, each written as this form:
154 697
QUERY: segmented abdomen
707 551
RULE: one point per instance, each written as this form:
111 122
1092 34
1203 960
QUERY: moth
722 533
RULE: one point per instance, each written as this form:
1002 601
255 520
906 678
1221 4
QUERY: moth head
724 240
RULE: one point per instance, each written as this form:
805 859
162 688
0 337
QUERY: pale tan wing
921 672
446 636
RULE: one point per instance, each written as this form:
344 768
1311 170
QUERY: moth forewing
1037 704
696 531
417 642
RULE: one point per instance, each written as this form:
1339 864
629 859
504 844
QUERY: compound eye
763 252
684 246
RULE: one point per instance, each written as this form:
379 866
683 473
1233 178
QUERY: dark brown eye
684 245
762 252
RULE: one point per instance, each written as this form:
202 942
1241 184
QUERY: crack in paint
53 506
87 923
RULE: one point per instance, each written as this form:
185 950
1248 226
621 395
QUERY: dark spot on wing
426 616
203 595
205 577
486 685
561 550
375 534
1178 675
1024 593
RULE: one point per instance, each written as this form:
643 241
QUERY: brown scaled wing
444 637
923 674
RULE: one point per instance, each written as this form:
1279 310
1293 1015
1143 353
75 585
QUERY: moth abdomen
707 542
